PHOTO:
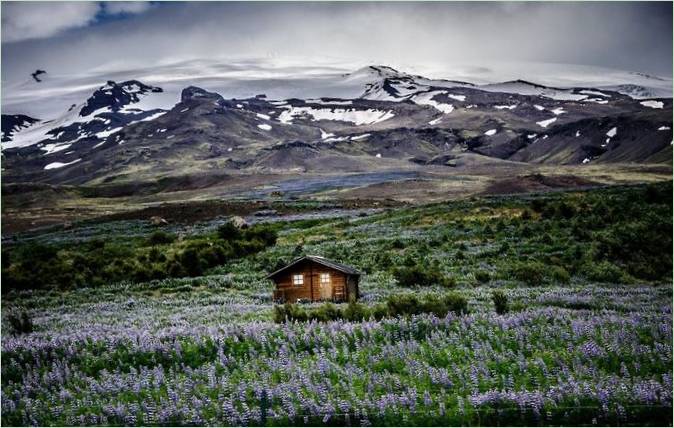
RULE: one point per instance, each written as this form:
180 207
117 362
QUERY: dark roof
320 260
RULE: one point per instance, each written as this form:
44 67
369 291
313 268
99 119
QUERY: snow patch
508 107
558 111
652 104
357 117
664 128
55 165
106 134
426 98
596 101
457 97
612 132
325 135
435 121
490 132
264 127
545 123
359 137
586 160
334 139
334 102
263 116
597 93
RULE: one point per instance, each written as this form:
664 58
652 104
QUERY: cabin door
325 282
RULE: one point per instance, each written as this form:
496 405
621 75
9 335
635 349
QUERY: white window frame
298 279
325 278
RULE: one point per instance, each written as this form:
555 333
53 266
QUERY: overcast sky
65 37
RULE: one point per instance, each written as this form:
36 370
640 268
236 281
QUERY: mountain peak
192 92
116 96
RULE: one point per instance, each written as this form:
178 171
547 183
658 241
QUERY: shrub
326 312
396 305
504 248
379 311
229 232
604 272
397 244
537 205
409 304
532 272
191 263
160 238
264 234
559 274
482 276
20 322
355 312
500 301
403 304
455 303
289 312
408 276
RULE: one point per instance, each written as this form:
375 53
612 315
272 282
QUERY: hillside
383 120
584 279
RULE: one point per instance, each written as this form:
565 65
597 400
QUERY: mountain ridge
398 120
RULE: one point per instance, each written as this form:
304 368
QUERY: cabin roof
320 260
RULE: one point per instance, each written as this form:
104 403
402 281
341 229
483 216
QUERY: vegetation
97 262
500 302
395 305
19 321
582 281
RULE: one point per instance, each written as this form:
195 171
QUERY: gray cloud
118 7
35 20
626 35
44 19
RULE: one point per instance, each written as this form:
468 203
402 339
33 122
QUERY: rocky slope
395 121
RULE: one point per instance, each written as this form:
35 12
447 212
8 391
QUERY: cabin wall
285 290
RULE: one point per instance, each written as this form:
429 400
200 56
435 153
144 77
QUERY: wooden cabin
315 278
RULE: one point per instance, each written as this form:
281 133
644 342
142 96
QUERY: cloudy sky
67 37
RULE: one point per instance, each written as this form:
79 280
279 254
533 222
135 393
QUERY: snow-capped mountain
374 117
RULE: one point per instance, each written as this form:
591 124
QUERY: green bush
326 312
403 304
559 274
160 238
482 276
500 301
191 262
229 232
409 304
531 272
355 312
19 322
408 276
396 305
604 272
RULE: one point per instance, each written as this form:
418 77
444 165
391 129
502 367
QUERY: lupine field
585 337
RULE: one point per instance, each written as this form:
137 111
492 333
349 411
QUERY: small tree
20 322
500 301
229 231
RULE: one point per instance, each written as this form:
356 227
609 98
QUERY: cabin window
298 280
325 278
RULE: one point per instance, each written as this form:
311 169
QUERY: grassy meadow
541 309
